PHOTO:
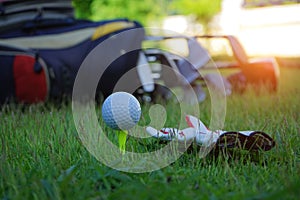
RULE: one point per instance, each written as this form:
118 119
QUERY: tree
146 10
203 10
142 11
82 8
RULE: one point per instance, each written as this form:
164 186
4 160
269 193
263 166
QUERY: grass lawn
42 156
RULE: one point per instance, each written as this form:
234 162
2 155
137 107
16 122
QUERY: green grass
42 156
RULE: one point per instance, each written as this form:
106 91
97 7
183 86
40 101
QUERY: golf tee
122 136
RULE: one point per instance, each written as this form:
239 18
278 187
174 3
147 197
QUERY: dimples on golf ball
121 111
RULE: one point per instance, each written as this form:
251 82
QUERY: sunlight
263 31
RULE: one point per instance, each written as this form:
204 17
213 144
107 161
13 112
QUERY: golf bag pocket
23 78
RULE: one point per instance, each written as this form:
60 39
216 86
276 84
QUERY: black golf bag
42 47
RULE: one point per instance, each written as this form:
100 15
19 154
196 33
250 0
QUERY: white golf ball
121 111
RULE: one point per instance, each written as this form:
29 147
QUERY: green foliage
82 8
147 10
141 11
204 10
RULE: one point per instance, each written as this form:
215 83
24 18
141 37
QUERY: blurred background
264 27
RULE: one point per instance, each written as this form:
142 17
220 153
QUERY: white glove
197 130
172 133
250 140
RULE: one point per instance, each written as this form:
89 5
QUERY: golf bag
42 47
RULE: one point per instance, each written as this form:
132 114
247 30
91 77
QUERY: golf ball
121 111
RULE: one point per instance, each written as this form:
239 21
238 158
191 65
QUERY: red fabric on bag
30 87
